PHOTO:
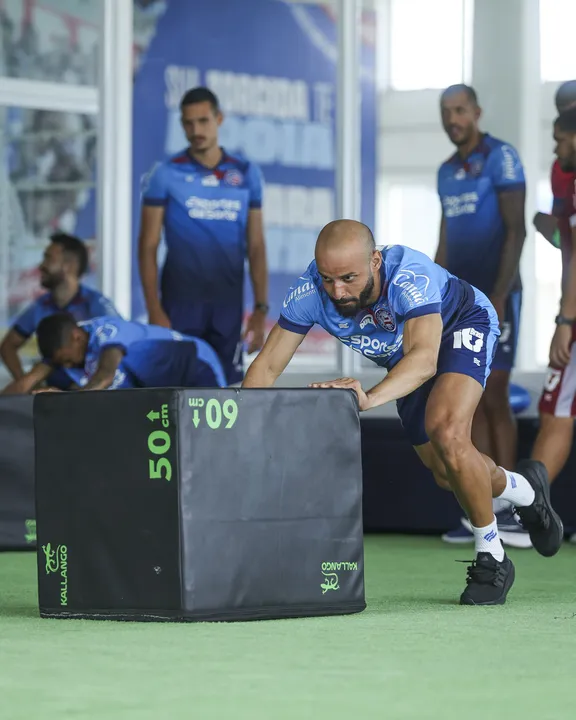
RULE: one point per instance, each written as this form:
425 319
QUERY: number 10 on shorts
469 339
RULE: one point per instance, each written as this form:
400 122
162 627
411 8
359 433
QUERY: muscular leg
553 443
449 413
432 460
475 478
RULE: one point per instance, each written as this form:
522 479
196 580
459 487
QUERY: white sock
518 490
498 505
486 540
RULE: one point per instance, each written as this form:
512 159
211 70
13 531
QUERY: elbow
260 374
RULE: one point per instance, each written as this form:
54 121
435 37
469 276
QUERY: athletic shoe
459 536
572 539
488 580
539 519
510 532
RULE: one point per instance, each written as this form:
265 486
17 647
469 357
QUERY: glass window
47 183
557 22
52 40
409 214
548 281
294 216
430 43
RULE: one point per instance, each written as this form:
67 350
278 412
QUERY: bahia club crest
385 318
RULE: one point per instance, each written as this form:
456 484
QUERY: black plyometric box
206 504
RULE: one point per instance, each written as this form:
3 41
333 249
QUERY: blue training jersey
412 285
205 225
468 191
150 356
86 304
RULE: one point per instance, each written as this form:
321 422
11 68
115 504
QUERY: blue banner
273 66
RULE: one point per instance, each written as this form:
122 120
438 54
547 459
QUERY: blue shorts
468 348
219 325
63 378
170 363
508 341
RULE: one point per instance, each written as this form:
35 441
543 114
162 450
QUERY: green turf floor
414 653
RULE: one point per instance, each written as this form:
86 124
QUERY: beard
51 281
352 306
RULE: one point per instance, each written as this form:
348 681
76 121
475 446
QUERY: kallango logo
330 572
57 562
30 535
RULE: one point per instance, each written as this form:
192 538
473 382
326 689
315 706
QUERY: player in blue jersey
118 354
482 192
65 261
436 335
209 204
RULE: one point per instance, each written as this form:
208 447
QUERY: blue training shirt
151 358
412 285
468 191
205 225
86 304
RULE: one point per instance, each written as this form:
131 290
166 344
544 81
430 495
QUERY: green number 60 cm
214 413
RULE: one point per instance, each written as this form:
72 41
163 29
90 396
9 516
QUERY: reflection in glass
52 40
47 182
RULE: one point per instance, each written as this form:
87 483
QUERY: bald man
436 335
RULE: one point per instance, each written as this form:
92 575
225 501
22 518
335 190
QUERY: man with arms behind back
209 204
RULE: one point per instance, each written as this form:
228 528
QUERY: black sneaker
488 581
543 524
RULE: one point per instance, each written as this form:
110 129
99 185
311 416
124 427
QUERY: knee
450 438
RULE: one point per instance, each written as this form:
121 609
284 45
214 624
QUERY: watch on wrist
561 320
262 307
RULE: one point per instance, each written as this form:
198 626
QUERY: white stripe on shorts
568 387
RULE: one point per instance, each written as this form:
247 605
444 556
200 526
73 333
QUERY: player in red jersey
555 227
558 401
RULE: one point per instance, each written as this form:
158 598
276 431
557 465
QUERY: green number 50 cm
159 444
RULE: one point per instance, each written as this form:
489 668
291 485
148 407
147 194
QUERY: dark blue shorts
508 341
467 349
174 364
219 325
63 378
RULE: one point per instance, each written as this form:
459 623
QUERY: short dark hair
566 121
460 87
73 246
565 95
199 95
53 333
